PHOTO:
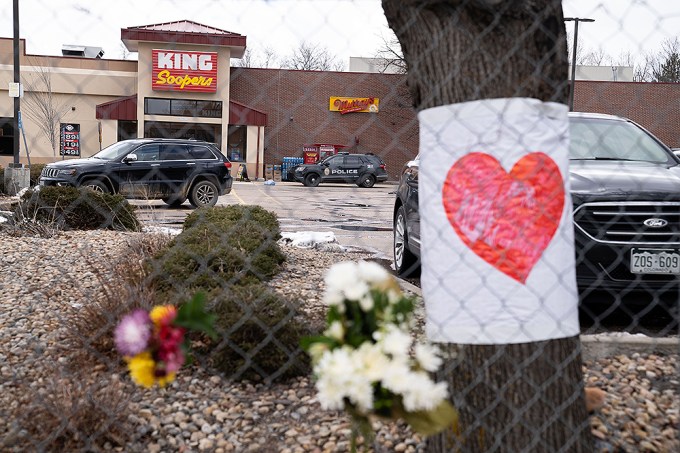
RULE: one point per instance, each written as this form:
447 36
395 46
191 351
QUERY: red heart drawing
507 219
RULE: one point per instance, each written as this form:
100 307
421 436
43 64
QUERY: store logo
349 105
184 71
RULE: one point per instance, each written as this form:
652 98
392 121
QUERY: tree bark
517 397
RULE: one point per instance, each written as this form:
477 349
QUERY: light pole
576 20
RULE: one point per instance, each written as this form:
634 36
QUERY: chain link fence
540 239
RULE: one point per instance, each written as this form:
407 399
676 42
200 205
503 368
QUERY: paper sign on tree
497 250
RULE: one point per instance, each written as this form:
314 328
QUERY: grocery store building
183 86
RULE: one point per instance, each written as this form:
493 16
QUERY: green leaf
307 342
431 422
193 316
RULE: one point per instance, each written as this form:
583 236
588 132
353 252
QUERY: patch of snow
622 335
269 182
162 230
311 239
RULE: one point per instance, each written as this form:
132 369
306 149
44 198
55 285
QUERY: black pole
573 68
17 79
572 88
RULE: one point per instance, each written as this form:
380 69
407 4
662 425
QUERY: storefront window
164 129
156 106
6 136
183 107
236 145
127 129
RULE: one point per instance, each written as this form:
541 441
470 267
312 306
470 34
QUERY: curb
600 346
596 347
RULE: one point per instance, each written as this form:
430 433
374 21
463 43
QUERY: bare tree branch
312 57
42 105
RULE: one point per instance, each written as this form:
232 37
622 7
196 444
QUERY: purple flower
133 332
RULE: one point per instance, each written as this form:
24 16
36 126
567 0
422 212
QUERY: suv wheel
311 180
203 193
366 181
96 185
405 262
174 201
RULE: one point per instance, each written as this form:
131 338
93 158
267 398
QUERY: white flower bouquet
366 361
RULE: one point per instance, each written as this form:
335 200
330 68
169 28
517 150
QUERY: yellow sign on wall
349 105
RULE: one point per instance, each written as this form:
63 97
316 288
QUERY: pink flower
133 333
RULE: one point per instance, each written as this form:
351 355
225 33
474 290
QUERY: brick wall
296 103
654 106
297 107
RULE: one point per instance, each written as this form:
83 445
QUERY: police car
362 169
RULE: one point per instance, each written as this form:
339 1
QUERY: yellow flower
141 369
163 314
167 379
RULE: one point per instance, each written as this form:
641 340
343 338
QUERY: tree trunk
516 397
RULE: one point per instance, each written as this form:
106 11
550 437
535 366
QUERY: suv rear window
200 152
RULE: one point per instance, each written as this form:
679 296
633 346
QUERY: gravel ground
42 281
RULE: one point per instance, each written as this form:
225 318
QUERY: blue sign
21 123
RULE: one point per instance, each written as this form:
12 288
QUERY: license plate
655 261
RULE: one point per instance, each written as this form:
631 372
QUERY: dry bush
123 286
70 413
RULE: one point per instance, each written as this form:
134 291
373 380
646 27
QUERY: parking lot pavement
359 217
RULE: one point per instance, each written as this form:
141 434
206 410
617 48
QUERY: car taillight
383 166
227 164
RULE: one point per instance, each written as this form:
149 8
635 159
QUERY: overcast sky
346 27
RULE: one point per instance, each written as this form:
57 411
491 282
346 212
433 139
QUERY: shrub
78 209
72 413
213 255
260 334
229 215
123 286
35 171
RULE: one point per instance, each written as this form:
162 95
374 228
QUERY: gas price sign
69 140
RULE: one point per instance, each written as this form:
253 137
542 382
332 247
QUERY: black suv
625 188
168 169
362 169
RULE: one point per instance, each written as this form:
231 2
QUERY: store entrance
197 131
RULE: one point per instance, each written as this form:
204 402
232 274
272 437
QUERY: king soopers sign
184 71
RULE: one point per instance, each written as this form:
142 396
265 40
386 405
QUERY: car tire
367 181
174 201
312 180
203 193
96 186
406 264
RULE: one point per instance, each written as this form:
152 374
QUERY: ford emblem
655 223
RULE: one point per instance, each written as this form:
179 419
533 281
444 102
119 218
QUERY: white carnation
333 371
341 275
397 376
335 330
356 291
372 361
372 272
394 341
366 302
428 357
340 375
336 298
423 393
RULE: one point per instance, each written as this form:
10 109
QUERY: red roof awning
118 109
